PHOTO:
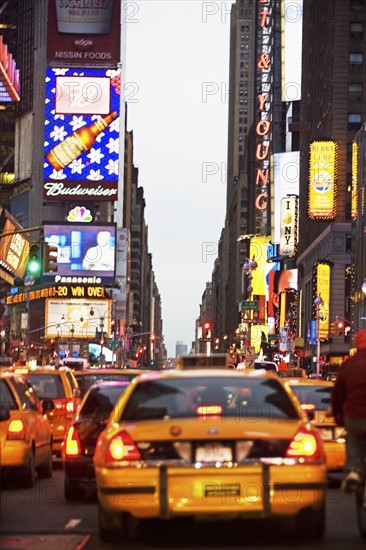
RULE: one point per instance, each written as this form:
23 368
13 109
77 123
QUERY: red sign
84 33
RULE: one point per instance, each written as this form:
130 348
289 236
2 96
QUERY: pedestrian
349 410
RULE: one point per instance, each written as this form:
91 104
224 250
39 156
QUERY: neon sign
263 127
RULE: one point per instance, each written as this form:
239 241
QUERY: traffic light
206 329
153 338
34 261
339 327
50 252
332 328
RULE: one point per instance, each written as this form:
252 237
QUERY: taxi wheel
310 523
45 470
111 526
29 476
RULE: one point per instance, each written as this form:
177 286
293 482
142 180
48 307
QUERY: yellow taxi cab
315 398
87 377
25 433
60 386
209 442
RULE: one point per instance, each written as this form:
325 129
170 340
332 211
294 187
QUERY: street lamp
318 302
248 267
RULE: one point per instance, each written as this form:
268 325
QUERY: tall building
315 220
333 109
73 186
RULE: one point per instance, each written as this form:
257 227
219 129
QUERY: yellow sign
323 290
322 179
354 180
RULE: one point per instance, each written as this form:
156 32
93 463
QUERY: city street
40 518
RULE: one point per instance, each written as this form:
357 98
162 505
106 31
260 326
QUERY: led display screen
86 253
81 136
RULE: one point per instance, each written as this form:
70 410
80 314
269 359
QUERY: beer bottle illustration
78 142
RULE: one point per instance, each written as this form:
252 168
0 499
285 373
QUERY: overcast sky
176 78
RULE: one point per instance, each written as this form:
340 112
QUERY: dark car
81 437
87 377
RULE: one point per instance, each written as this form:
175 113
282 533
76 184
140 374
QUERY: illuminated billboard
291 40
77 318
354 180
322 285
14 248
86 253
288 240
285 168
81 137
86 32
322 179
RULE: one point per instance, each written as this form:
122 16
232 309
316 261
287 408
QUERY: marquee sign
263 128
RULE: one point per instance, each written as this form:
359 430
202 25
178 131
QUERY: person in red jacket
349 409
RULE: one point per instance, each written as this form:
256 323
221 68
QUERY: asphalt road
40 519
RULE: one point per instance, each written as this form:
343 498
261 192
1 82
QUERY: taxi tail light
122 447
16 430
306 445
72 443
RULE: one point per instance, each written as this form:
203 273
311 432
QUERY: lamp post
248 267
318 302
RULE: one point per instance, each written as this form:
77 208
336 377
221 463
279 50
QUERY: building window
355 91
357 4
355 61
356 31
354 121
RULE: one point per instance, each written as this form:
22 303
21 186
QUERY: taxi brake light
305 445
16 430
308 407
204 410
72 447
122 447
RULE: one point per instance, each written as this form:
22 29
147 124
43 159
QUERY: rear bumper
80 471
335 454
15 454
254 490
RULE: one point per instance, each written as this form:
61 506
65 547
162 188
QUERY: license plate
213 452
326 433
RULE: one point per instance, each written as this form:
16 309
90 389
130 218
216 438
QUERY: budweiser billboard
84 32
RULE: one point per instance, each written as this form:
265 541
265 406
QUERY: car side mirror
47 405
4 412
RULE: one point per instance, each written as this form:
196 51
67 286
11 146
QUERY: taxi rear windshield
319 396
47 386
85 381
188 398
